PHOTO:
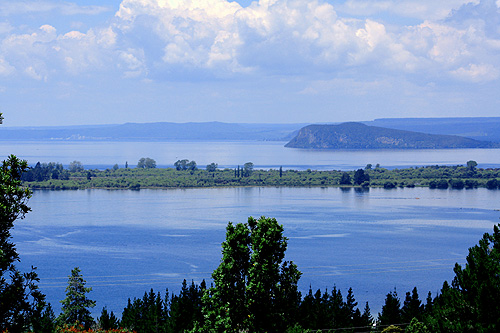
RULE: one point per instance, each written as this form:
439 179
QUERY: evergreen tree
412 307
75 307
107 320
391 310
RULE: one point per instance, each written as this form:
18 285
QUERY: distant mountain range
360 136
478 128
482 129
164 131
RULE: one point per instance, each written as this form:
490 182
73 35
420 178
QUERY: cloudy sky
269 61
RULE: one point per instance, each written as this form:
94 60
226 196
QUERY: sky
268 61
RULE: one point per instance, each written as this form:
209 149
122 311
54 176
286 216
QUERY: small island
186 174
359 136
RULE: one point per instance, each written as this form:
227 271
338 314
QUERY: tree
471 165
247 169
412 307
21 302
146 163
75 307
254 289
360 177
75 166
107 320
479 285
391 310
116 167
212 167
345 179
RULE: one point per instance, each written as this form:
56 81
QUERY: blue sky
268 61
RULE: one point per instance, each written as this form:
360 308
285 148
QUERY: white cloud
157 38
477 73
419 9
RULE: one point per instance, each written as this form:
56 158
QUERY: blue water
230 154
127 242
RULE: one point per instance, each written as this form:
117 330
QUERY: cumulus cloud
459 39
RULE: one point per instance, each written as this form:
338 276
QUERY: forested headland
187 174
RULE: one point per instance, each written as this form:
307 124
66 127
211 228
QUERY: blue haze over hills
479 128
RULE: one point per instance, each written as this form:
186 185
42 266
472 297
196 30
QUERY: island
354 135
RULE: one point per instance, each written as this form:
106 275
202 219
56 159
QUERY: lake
127 242
231 154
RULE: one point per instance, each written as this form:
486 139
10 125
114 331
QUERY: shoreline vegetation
186 174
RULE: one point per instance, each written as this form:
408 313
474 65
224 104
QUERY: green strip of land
457 177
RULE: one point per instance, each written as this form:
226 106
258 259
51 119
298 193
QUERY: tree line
186 173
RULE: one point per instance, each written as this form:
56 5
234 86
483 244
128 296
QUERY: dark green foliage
247 169
492 184
345 179
391 310
146 163
212 167
107 320
457 184
149 314
183 165
75 307
21 302
76 166
360 176
442 184
47 321
253 288
185 309
412 307
329 311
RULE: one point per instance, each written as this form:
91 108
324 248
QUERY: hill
161 131
360 136
478 128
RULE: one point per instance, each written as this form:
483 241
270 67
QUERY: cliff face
360 136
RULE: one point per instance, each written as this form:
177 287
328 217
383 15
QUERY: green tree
391 310
247 169
21 302
479 285
107 320
75 166
412 307
345 179
212 167
471 165
146 163
254 289
75 307
360 176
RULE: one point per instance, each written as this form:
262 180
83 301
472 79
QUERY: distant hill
360 136
479 128
163 131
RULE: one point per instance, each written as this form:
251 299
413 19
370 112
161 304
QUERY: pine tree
75 307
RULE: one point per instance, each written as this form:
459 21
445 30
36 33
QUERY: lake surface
230 154
127 242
